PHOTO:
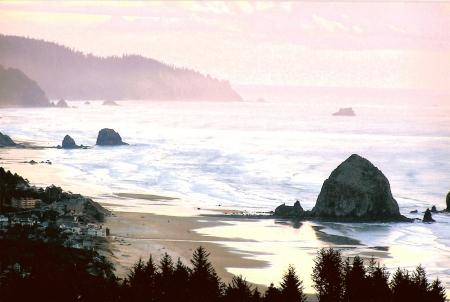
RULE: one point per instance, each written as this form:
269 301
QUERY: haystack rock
69 143
285 211
357 191
109 137
345 112
62 104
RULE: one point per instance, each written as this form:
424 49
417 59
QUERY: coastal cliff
18 90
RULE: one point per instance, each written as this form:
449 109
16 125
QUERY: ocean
254 156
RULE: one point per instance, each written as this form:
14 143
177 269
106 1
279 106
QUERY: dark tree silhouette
436 292
291 287
328 275
355 281
238 290
164 284
377 277
204 284
272 294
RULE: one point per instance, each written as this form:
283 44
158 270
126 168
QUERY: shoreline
255 247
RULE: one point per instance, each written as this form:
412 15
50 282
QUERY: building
25 203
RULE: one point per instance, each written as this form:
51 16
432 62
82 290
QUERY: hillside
65 73
17 90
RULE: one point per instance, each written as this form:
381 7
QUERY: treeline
334 280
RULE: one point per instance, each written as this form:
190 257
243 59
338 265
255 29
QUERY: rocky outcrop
285 211
345 112
357 191
109 137
62 104
427 216
6 141
69 143
110 103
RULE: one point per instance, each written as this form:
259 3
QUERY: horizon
368 45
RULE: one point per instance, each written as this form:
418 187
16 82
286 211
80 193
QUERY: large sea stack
109 137
357 191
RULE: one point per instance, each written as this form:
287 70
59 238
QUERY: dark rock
109 137
87 103
260 100
285 211
110 103
62 104
414 212
357 191
433 209
69 143
6 141
345 112
427 216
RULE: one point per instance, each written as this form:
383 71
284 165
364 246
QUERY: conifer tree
377 282
272 294
291 287
180 281
400 285
436 292
327 275
238 290
204 283
164 285
355 281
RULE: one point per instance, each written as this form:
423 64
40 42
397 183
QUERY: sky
299 43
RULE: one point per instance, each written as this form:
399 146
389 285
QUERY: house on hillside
25 203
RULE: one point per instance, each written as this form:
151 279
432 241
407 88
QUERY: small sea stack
62 104
69 143
345 112
285 211
110 103
427 216
357 191
109 137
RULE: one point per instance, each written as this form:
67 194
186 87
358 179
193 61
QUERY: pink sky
344 44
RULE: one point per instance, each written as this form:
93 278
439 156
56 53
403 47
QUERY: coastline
256 248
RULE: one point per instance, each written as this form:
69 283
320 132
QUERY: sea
253 156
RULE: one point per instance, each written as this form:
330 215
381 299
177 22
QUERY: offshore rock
109 137
69 143
285 211
357 191
110 103
427 216
345 112
62 104
6 141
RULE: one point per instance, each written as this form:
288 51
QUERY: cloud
331 26
397 29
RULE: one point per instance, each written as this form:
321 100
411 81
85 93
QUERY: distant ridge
65 73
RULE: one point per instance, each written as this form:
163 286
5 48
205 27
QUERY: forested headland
64 73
